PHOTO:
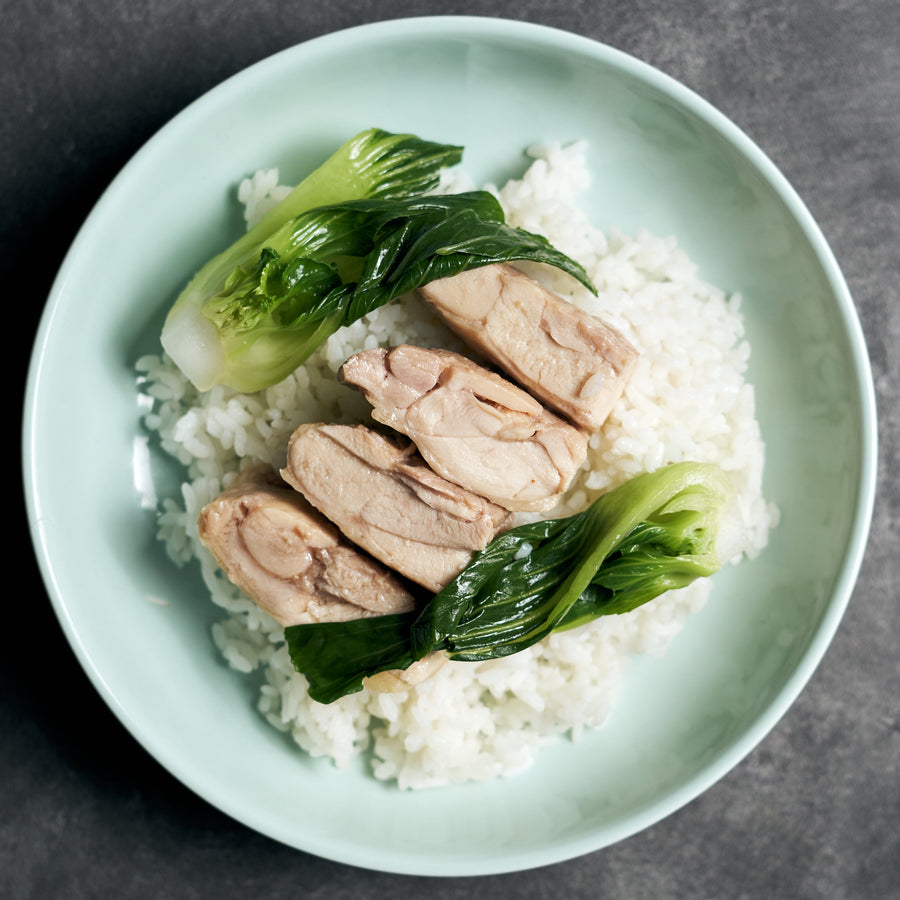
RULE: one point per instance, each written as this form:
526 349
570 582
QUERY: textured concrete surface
814 811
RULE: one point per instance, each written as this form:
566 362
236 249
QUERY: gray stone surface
814 811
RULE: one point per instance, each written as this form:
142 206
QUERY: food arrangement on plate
453 455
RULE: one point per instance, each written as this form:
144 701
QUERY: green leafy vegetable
373 164
654 533
331 265
265 310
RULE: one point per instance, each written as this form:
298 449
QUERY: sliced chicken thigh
385 498
290 560
568 359
471 425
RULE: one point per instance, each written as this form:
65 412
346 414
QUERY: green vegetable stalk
652 534
373 164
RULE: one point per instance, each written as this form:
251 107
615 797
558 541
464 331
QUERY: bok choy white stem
372 164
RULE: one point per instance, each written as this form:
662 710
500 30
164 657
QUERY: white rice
688 400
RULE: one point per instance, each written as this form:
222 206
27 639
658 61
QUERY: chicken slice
290 560
386 499
471 425
570 360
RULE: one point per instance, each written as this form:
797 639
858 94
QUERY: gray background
814 811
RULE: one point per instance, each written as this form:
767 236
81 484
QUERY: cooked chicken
472 426
292 561
572 361
386 499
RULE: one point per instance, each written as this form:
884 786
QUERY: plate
661 158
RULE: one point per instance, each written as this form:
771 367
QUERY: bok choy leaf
373 164
654 533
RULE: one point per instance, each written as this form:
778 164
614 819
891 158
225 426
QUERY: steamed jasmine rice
688 400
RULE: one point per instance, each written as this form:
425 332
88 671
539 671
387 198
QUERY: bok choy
373 164
334 250
659 531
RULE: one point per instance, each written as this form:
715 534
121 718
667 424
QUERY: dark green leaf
337 656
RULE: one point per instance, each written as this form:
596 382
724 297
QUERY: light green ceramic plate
661 159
